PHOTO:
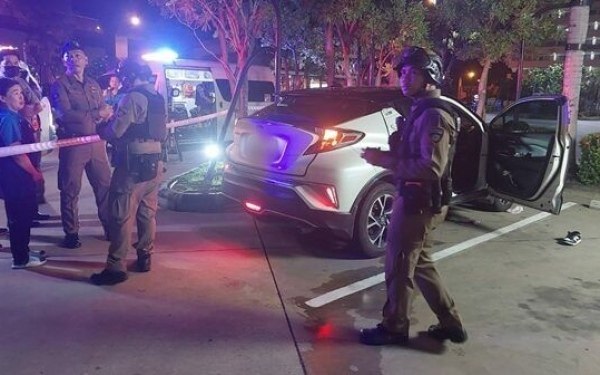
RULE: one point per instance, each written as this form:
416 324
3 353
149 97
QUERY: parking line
334 295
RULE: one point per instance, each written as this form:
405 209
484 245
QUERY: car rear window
317 110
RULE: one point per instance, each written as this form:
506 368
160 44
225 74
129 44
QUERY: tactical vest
155 125
441 191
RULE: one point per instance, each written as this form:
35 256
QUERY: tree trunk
578 25
329 54
482 88
346 63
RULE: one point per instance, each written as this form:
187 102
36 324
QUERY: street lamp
135 20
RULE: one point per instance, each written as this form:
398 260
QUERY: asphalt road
231 295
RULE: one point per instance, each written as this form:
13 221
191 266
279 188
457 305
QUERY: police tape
67 142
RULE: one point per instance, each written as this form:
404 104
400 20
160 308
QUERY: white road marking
336 294
49 267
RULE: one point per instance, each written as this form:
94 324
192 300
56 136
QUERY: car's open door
528 152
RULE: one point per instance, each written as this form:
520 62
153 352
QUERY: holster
416 196
143 167
143 160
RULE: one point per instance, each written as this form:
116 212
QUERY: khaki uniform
131 201
77 105
408 263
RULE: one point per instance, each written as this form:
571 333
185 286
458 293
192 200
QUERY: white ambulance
194 88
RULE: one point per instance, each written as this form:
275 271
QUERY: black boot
71 241
144 262
381 336
455 334
107 277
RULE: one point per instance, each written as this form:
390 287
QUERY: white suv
300 158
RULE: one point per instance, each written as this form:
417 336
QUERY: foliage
194 180
589 168
543 80
550 81
389 26
493 29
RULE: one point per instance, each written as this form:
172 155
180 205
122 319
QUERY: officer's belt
144 147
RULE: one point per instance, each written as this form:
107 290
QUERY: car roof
372 94
380 97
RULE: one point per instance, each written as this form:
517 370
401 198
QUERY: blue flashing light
161 55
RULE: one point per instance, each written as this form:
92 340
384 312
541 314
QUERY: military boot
144 261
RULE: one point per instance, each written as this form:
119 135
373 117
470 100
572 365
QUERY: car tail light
252 206
320 195
332 139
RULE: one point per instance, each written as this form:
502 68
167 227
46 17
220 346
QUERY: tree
46 25
490 30
238 25
388 26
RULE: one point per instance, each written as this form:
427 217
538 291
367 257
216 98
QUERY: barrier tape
67 142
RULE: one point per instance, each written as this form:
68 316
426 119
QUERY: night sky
158 30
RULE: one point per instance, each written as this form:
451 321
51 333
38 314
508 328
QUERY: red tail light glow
332 139
252 206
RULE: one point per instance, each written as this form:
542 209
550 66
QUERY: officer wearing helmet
79 106
137 133
420 159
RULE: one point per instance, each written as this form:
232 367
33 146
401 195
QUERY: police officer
137 133
79 106
419 161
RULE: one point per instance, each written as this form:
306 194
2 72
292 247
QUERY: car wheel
373 219
499 204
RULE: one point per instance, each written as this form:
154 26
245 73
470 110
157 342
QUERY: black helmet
128 70
70 46
421 58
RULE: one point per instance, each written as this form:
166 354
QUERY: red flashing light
252 206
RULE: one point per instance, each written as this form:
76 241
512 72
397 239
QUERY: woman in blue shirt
18 177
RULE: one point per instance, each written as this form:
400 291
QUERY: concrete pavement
209 305
226 296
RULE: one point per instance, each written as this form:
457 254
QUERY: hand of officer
106 112
372 155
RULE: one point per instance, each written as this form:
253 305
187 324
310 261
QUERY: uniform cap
70 46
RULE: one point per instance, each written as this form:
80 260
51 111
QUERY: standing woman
18 178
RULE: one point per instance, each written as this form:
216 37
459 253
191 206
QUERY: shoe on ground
143 263
381 336
107 277
33 262
3 231
41 254
71 241
571 239
41 216
455 334
36 224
